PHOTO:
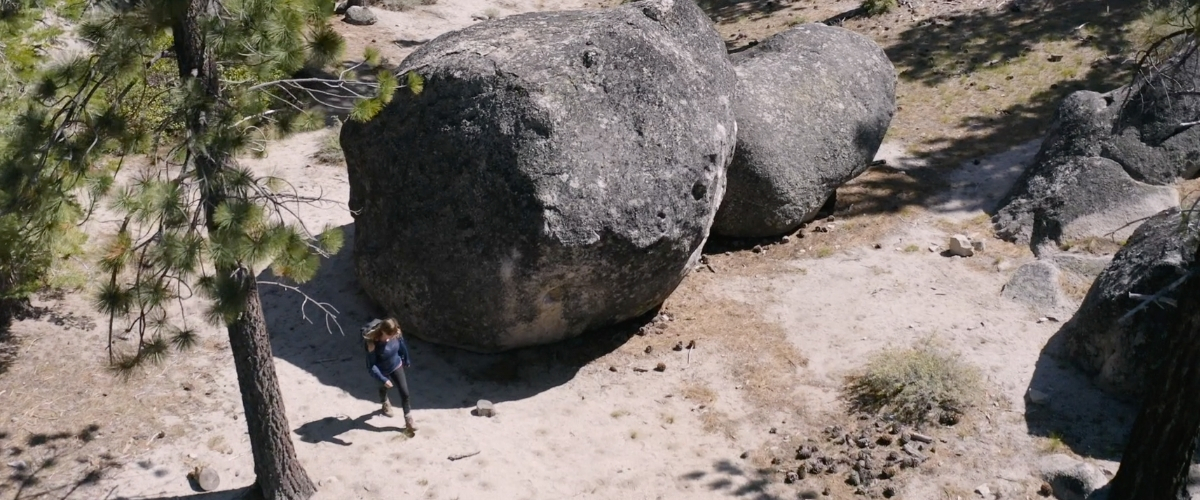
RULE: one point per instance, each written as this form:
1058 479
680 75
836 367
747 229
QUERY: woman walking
387 355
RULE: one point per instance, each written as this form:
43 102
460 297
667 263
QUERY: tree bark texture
278 473
1164 437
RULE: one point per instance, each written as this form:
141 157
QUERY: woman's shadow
327 430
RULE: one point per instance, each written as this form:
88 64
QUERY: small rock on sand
485 408
960 245
207 479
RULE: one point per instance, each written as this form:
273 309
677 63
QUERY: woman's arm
404 352
372 359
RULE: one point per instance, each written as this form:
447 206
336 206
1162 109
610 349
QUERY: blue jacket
387 357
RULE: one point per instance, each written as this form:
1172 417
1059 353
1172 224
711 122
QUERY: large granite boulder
1110 159
560 172
813 105
1122 354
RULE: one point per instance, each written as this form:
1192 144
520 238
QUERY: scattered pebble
1037 397
485 408
206 478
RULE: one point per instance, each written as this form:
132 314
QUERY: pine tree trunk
278 473
1164 437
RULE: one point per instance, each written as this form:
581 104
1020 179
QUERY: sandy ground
775 336
576 421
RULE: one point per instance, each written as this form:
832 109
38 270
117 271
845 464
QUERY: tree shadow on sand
731 11
735 481
57 465
442 377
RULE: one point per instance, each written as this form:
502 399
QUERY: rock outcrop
1110 159
559 172
1121 354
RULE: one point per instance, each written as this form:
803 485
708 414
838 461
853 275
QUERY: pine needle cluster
195 218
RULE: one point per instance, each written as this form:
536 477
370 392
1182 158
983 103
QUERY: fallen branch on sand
460 457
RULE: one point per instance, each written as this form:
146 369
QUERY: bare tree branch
331 313
1158 297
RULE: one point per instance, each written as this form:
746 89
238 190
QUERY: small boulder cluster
1109 159
561 171
1105 179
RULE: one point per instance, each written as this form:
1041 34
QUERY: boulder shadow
1063 405
440 377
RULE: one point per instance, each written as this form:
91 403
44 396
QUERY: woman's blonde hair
387 327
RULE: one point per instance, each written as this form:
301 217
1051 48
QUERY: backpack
366 330
369 327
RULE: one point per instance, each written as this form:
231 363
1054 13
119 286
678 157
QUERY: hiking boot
408 425
387 407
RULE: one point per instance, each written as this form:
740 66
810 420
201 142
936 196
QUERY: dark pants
398 381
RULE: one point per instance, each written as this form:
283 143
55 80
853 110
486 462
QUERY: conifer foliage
188 85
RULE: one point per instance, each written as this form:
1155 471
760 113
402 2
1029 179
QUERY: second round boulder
813 104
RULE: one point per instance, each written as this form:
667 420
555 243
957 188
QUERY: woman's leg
383 398
399 381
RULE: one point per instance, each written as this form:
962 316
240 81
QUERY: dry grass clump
914 384
330 152
400 5
1093 245
877 7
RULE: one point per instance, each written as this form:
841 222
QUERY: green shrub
877 7
912 384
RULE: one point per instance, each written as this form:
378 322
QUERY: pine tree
30 240
189 84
